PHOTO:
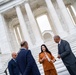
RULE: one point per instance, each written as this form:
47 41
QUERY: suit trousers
50 72
72 69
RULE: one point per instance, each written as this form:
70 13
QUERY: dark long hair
46 49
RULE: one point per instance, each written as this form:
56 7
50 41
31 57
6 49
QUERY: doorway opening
43 23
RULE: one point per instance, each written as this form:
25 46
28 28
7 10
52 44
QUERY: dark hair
46 49
23 43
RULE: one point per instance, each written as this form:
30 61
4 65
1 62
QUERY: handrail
4 69
5 72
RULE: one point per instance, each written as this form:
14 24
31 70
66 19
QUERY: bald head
24 44
57 38
14 55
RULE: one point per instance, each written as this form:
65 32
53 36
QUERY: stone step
64 73
52 46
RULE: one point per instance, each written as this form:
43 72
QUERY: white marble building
18 22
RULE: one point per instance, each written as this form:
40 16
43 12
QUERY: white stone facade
18 22
21 14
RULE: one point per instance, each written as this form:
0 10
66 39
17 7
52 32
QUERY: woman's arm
41 59
53 58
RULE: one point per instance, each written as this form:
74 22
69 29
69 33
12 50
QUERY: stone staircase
52 46
3 62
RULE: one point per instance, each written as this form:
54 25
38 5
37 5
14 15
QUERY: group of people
23 63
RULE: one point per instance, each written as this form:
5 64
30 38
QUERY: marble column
18 37
72 13
5 45
66 16
0 64
33 24
55 19
23 26
74 5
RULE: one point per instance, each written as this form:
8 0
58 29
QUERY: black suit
13 67
26 63
68 58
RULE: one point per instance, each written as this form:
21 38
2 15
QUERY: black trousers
72 69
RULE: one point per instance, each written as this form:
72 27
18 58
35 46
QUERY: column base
40 42
37 44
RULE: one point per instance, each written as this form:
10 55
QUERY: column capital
2 14
17 6
26 1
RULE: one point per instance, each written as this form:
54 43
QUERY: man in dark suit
65 53
26 62
12 65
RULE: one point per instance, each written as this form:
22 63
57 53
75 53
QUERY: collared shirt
59 41
23 48
14 60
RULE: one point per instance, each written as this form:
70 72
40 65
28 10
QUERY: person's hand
44 58
53 60
59 56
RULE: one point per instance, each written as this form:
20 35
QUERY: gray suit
67 56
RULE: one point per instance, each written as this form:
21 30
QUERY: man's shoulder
28 51
23 51
64 41
10 62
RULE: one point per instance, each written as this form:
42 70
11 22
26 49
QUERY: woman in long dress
47 60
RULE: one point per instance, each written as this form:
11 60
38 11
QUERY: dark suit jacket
66 54
27 63
13 67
